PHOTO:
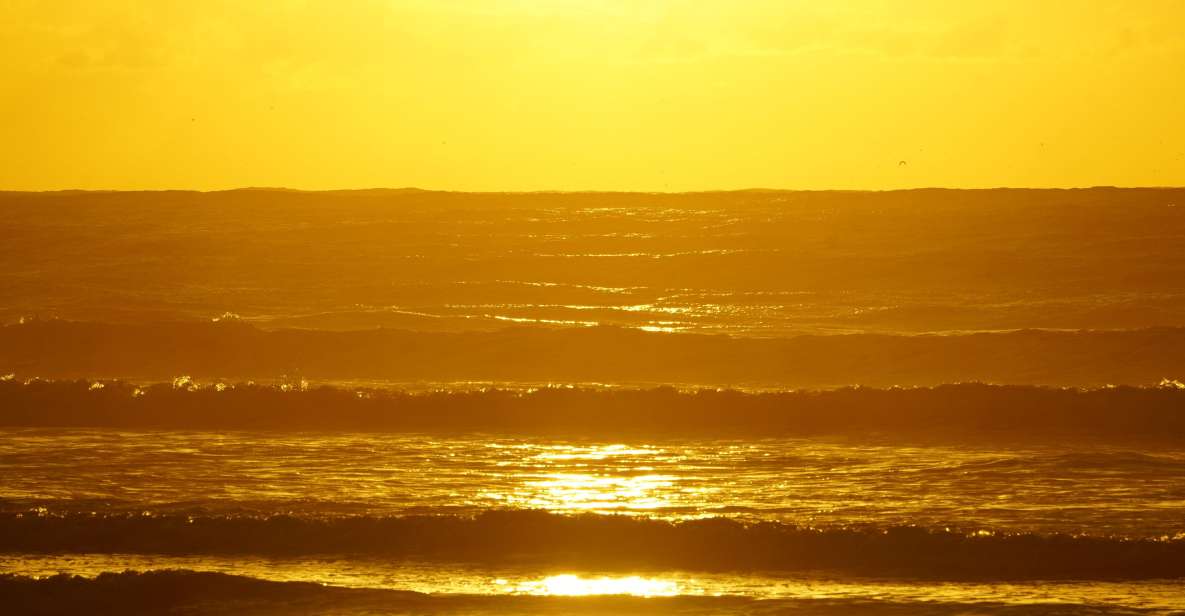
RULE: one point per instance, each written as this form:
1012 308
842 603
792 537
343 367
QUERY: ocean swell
968 411
611 542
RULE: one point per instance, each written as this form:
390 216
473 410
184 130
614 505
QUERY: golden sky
591 94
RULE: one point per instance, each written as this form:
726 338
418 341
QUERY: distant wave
610 542
967 411
231 349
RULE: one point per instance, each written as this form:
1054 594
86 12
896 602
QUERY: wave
157 592
231 349
201 592
611 543
967 411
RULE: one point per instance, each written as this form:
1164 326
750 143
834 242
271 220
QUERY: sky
652 95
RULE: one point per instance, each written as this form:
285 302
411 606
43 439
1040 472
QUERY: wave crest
966 411
612 542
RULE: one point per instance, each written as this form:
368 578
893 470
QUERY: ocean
756 402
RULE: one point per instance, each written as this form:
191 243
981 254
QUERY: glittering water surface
1084 489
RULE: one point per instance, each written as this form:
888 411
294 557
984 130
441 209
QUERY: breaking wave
969 411
237 350
611 542
205 592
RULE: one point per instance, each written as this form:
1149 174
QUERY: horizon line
416 189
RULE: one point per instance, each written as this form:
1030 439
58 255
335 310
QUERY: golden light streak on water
560 484
571 585
573 492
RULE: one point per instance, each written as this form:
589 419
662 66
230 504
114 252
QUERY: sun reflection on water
590 478
569 585
595 452
578 492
